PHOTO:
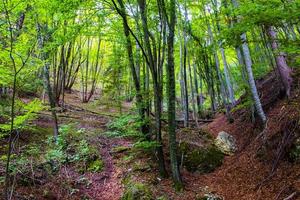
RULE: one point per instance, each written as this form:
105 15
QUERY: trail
106 185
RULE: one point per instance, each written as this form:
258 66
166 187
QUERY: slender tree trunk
150 53
227 77
172 99
199 108
282 67
223 90
248 63
183 85
47 85
195 115
229 87
139 98
186 97
11 135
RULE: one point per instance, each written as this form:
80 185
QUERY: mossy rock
137 191
203 160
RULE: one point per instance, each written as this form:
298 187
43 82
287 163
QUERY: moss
95 166
137 191
120 149
294 152
205 135
162 198
203 160
140 166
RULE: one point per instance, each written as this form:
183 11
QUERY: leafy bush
72 147
25 113
123 121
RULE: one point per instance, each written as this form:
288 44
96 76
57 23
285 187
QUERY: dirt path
107 184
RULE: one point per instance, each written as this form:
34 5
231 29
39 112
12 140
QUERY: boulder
201 159
226 143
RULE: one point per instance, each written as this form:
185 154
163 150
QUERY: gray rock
211 196
226 143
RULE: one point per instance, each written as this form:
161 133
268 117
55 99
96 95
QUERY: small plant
146 145
72 147
125 126
95 166
137 191
25 113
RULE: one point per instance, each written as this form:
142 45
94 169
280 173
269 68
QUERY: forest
149 99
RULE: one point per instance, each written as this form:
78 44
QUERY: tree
172 94
248 63
17 65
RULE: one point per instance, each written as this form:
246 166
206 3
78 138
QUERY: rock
211 196
201 159
226 143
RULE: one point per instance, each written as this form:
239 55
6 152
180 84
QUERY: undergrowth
34 162
128 126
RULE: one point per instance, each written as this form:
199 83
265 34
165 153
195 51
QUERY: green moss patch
95 166
137 191
202 159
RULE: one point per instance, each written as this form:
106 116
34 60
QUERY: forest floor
68 183
255 171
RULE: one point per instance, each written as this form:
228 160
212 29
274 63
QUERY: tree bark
282 67
248 63
172 99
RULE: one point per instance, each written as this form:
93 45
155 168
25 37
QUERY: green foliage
26 112
136 191
95 166
146 145
125 126
72 147
245 104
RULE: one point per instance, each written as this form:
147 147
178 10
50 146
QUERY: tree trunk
248 63
172 99
139 98
282 67
156 84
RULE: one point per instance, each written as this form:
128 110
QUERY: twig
291 196
281 191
